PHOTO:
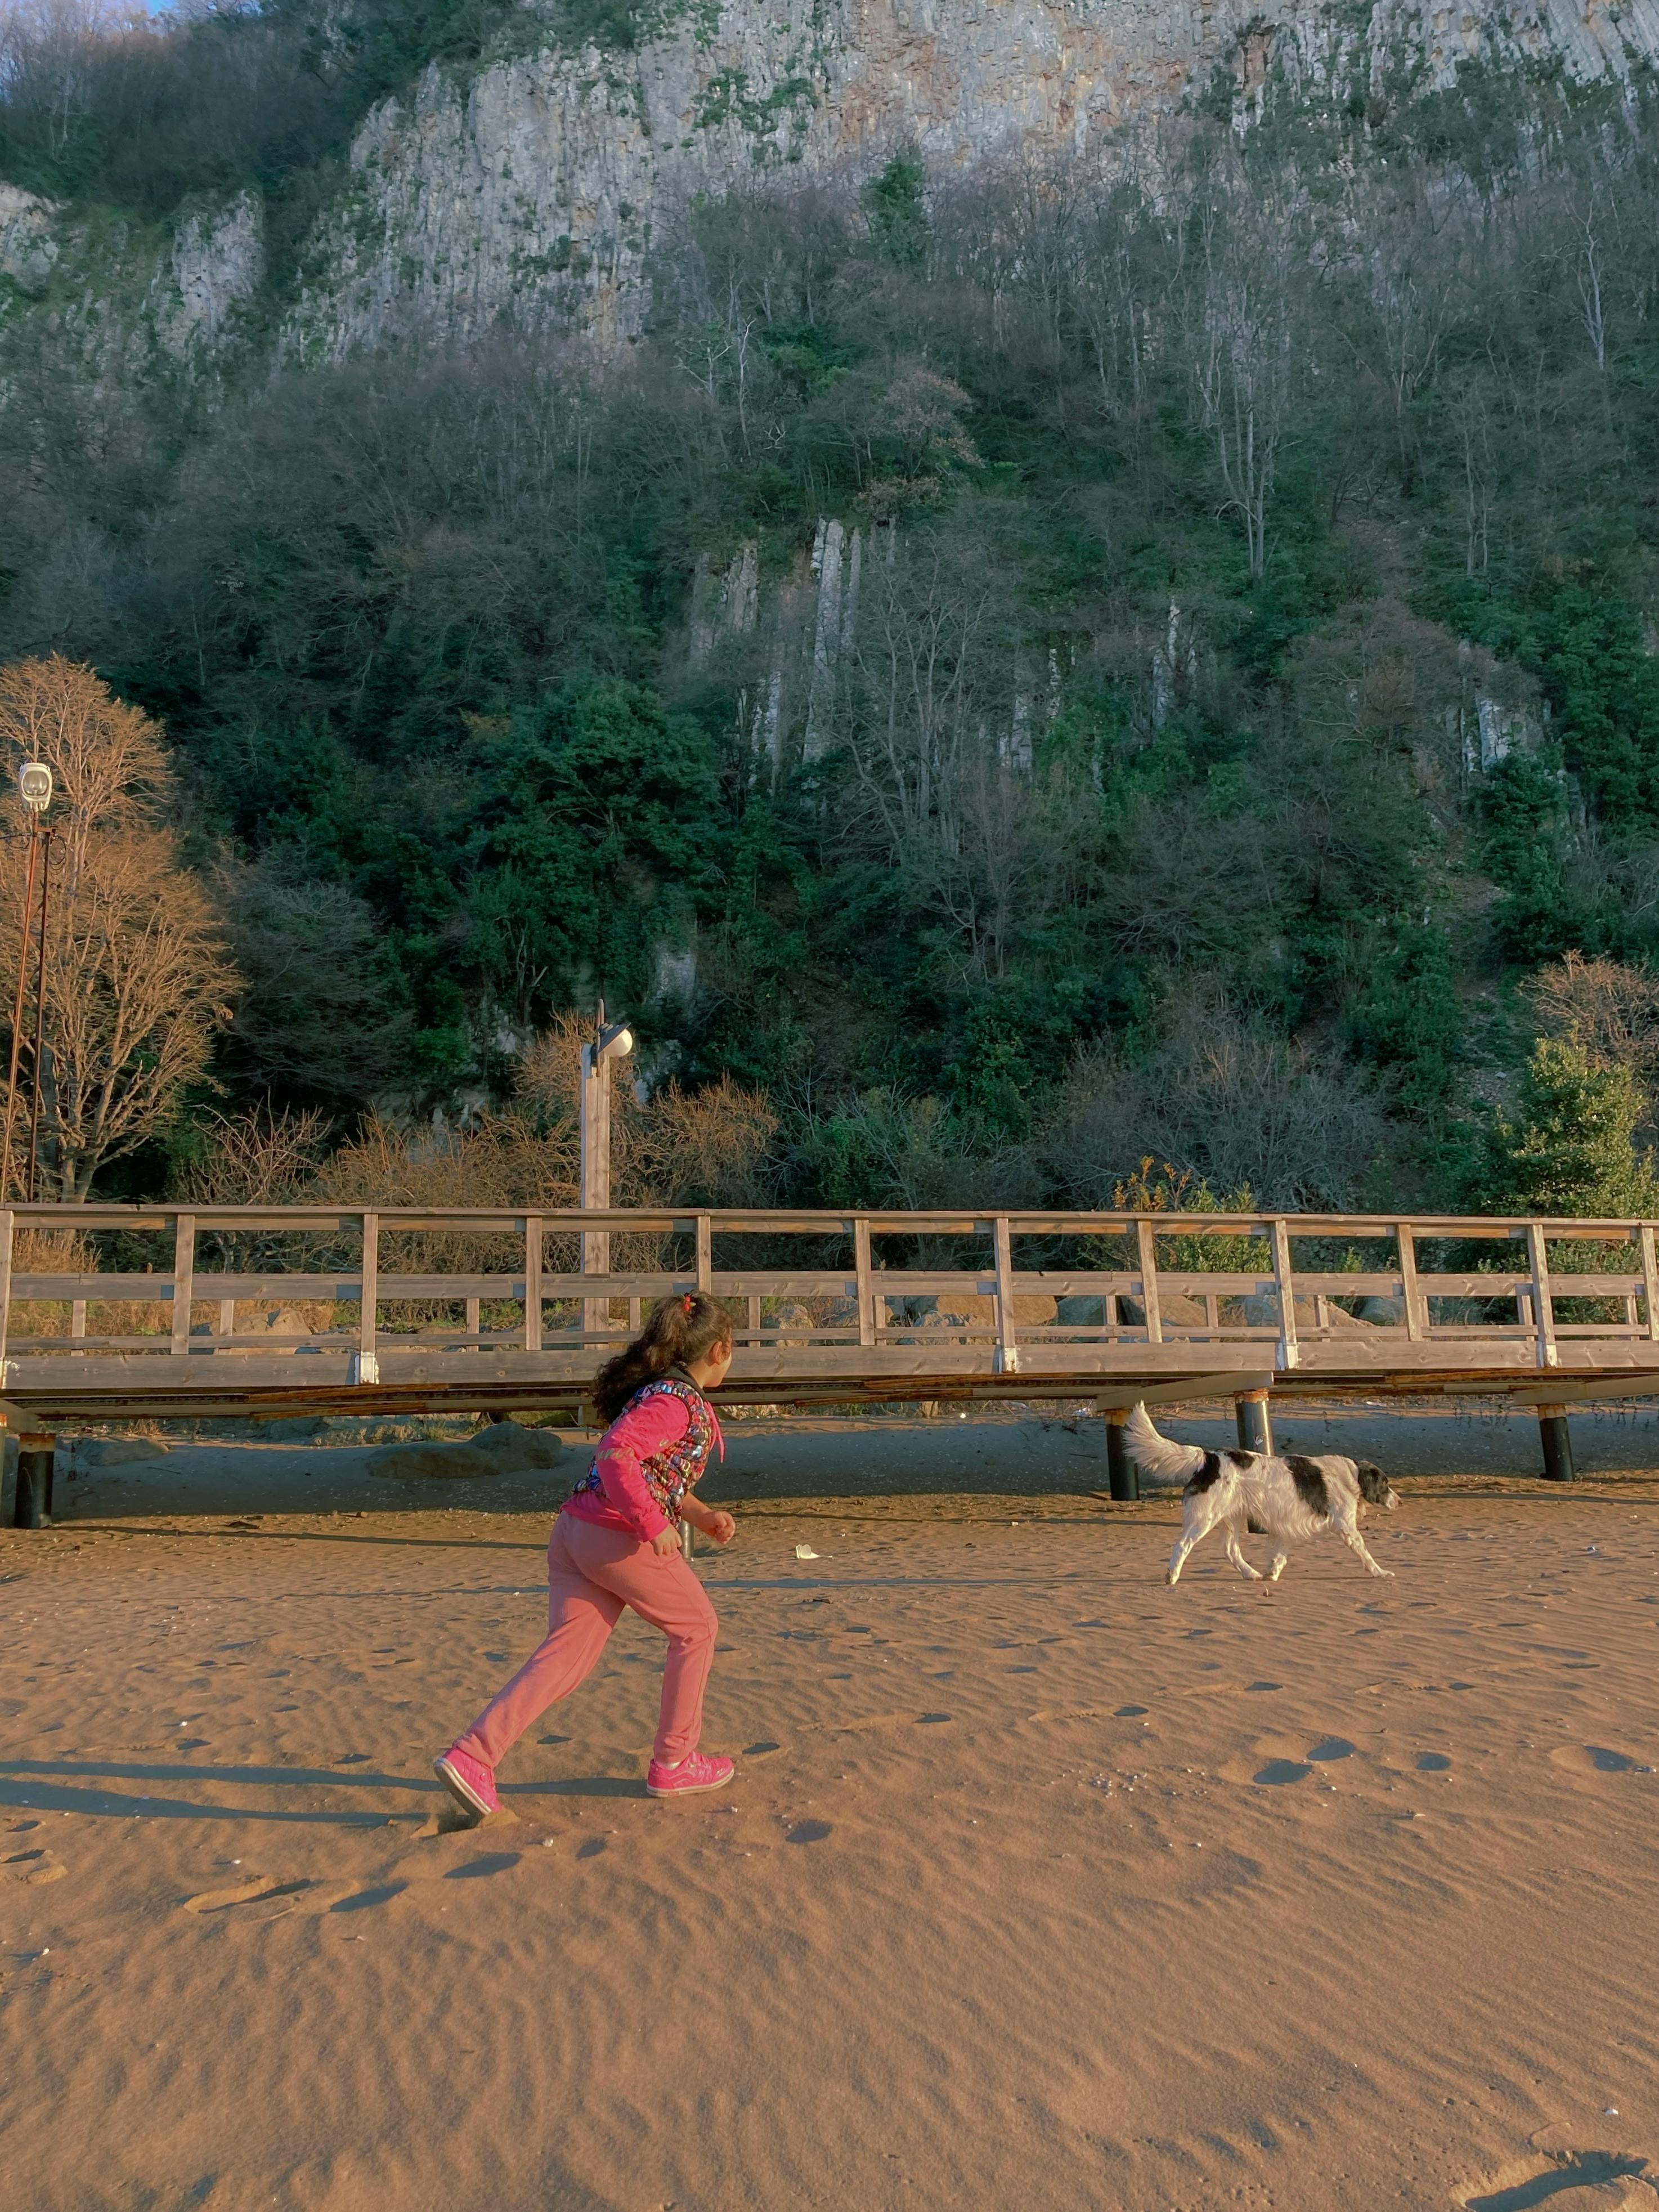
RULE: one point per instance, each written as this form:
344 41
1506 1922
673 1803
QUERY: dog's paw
1384 1574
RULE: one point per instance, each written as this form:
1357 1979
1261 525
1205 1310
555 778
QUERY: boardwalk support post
1123 1475
1255 1422
32 1507
1557 1444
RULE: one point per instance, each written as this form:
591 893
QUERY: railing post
1649 1282
1416 1317
1289 1352
863 1287
1146 1246
1007 1347
705 1254
1543 1317
7 1228
532 1282
183 1278
367 1364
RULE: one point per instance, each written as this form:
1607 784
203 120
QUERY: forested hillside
1032 668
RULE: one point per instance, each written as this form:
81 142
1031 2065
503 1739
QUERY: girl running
616 1543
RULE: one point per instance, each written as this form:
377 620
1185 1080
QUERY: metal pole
1254 1423
596 1169
1553 1435
40 1012
1123 1475
17 1003
32 1505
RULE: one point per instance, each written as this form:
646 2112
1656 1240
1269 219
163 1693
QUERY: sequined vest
677 1467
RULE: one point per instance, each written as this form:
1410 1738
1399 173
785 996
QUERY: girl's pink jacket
635 1434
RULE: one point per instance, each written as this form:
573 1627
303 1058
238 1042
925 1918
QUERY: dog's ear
1373 1483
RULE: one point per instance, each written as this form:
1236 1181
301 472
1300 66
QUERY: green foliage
898 219
1568 1149
229 98
595 837
1164 1190
420 624
1405 1021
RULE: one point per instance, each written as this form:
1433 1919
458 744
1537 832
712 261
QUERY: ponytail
681 1330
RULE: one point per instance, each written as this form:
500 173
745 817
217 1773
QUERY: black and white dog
1289 1498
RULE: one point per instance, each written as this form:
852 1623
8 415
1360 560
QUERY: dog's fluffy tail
1155 1455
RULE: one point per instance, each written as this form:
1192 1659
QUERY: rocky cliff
531 188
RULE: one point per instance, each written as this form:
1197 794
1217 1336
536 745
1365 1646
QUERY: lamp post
610 1043
34 784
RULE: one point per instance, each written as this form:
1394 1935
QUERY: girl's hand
665 1542
721 1527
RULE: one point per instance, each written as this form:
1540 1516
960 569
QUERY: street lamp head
615 1041
34 782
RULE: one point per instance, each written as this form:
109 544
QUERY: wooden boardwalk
110 1311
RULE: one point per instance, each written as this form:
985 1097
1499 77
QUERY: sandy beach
1042 1885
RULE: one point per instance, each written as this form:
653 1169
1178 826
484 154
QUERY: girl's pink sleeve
631 1438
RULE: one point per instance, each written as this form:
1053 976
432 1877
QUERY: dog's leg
1345 1521
1197 1519
1178 1558
1235 1554
1356 1543
1281 1561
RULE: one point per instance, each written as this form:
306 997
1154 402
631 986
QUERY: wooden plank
863 1287
184 1267
705 1254
532 1282
1649 1280
7 1221
1544 1314
1195 1386
1147 1246
368 1318
1284 1285
1007 1361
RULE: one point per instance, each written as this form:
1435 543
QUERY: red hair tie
685 1302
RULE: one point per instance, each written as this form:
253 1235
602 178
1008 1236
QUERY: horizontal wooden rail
852 1297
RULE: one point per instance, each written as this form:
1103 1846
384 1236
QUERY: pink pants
593 1573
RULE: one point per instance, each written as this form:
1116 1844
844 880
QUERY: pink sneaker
690 1778
467 1779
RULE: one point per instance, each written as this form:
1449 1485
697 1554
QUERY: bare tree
1245 346
1608 1008
136 970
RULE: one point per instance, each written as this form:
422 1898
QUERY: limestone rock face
216 266
28 248
533 192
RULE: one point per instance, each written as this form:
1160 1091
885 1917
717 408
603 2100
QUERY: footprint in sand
1279 1771
808 1832
1329 1747
478 1869
1596 1759
34 1867
253 1889
364 1900
1587 2181
1432 1762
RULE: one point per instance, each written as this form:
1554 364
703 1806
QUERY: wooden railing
1044 1295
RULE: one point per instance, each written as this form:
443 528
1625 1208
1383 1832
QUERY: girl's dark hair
680 1329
